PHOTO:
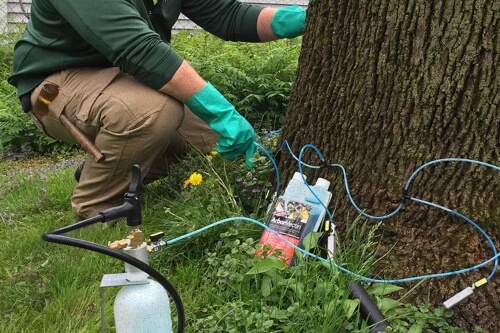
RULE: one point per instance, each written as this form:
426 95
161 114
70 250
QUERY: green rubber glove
236 135
289 22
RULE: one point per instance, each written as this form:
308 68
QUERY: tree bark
385 86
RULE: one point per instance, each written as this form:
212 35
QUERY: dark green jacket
65 34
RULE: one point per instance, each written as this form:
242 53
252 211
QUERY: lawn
223 285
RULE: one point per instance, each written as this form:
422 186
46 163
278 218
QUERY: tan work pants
129 123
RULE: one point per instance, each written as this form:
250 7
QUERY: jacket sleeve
117 30
227 19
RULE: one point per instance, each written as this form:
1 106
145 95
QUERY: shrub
18 134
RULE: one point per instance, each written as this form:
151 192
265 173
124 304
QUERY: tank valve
156 243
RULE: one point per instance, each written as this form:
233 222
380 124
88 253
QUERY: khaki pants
129 123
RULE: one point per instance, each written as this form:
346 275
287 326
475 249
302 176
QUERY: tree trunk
384 87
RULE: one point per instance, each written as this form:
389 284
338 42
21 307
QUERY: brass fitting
133 240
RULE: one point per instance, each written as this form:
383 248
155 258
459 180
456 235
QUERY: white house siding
15 13
3 15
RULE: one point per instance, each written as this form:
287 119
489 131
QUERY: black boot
78 172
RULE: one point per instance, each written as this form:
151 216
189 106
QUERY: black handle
131 208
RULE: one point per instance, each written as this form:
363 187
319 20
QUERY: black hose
56 237
368 308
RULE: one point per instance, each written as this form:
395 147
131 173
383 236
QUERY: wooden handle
82 139
48 93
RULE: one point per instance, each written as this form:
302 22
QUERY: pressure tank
143 307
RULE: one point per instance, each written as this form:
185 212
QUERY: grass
224 286
37 275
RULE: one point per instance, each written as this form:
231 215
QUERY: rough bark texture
384 86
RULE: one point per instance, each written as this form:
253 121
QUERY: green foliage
253 187
408 318
225 189
255 294
18 133
257 78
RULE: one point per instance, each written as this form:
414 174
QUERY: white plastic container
297 189
297 212
318 212
141 308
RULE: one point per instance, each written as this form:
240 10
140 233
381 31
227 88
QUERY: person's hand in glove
236 135
288 22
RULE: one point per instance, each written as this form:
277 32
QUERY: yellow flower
195 180
211 155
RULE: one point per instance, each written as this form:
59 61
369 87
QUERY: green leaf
439 312
266 286
279 314
311 240
350 306
299 255
388 303
415 328
265 265
298 288
382 289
